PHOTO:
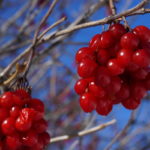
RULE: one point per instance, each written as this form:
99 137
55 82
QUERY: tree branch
82 133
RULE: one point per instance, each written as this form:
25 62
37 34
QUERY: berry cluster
114 69
22 123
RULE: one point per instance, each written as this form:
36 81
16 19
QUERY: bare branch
122 132
112 7
83 133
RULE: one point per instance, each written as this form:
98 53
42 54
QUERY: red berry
40 126
22 94
141 58
45 137
129 41
123 93
13 142
114 67
104 106
103 56
36 104
28 113
107 39
124 57
114 49
87 68
81 86
117 30
97 91
83 53
102 77
6 100
30 139
115 85
138 91
132 67
14 111
94 43
4 113
143 33
8 126
22 124
140 74
130 103
87 102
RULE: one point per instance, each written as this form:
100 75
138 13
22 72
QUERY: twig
44 20
83 133
74 27
112 7
122 132
95 23
52 26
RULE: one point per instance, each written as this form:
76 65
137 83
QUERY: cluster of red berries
114 69
22 123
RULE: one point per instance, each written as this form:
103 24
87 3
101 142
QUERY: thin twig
83 133
95 23
129 12
122 132
112 7
51 27
44 20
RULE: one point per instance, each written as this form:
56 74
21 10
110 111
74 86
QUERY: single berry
83 53
81 86
129 41
8 126
124 57
87 102
106 39
87 68
114 67
141 58
117 30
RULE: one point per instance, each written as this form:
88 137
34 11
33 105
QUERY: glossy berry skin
8 126
14 111
143 33
114 67
84 53
104 107
129 41
21 118
117 30
87 68
30 139
131 103
141 58
119 72
6 100
22 124
124 57
95 41
81 86
97 91
87 102
106 39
